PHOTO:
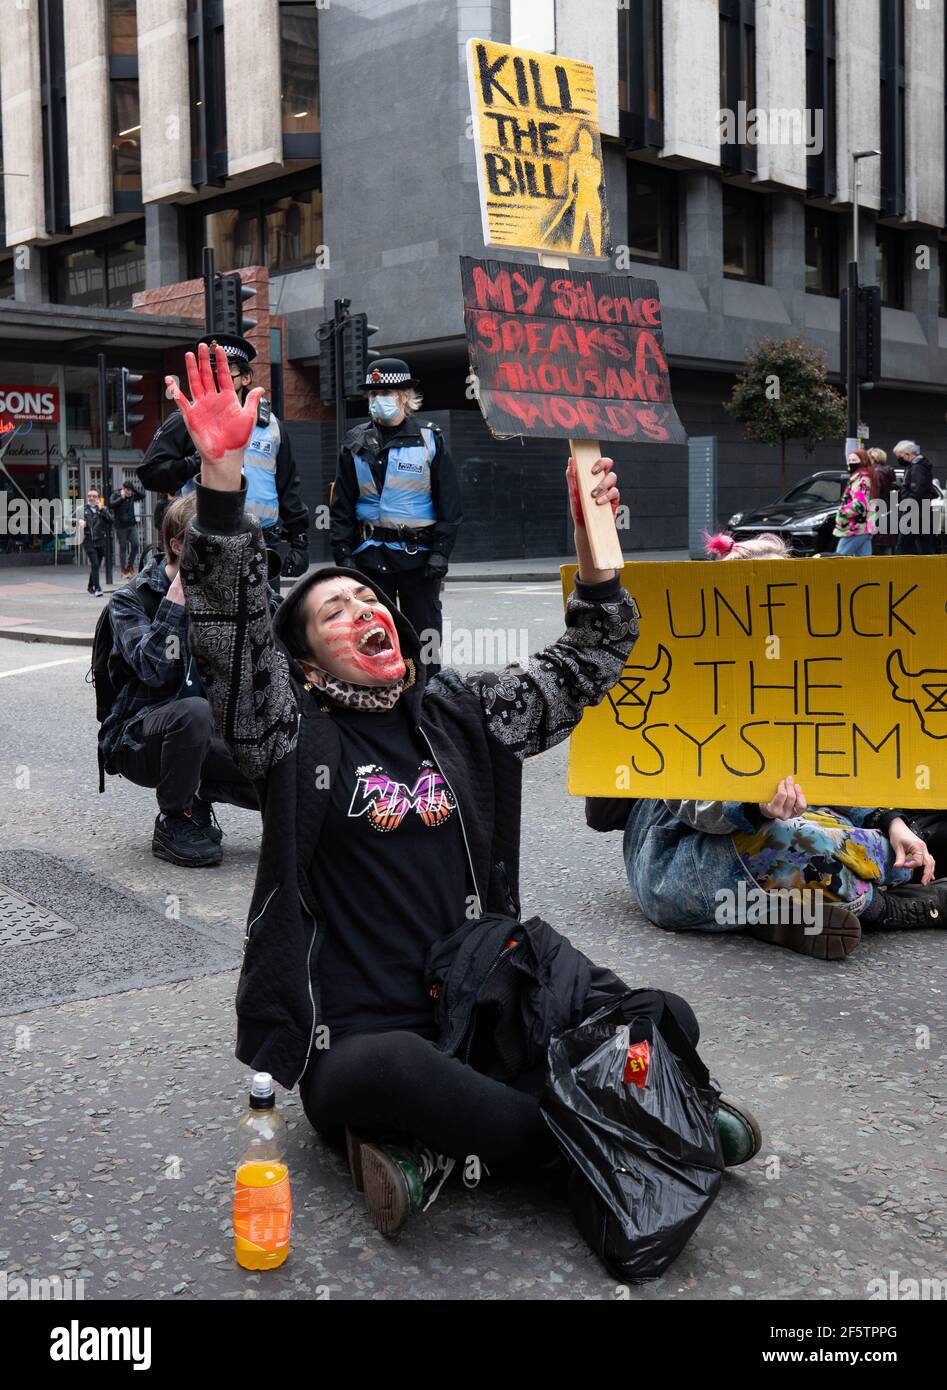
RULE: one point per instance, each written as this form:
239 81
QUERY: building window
889 267
208 91
102 272
652 214
822 252
272 226
743 234
892 108
821 180
942 286
123 29
299 64
126 114
55 130
737 80
640 75
7 279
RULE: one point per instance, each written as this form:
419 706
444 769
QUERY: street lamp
851 384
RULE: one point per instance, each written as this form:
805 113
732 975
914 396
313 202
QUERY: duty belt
410 535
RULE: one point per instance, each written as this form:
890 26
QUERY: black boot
911 905
202 814
180 841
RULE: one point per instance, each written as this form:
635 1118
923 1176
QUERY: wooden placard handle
599 521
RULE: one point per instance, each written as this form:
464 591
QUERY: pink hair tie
721 544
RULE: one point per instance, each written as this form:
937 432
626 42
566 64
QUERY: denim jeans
854 545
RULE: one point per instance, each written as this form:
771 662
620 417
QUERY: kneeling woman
391 812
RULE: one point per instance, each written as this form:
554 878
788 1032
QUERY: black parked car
805 517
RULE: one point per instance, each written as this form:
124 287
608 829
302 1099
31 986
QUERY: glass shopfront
51 454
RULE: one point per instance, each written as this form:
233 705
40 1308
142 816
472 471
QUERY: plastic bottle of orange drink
262 1204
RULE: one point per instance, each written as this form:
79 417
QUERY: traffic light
867 334
125 400
326 336
230 295
356 354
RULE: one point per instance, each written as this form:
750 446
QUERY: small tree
783 393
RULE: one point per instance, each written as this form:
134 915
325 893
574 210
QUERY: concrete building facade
326 151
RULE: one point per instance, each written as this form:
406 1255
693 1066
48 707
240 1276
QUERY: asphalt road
121 1094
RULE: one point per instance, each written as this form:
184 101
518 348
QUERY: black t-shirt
389 875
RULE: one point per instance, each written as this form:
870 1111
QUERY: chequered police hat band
387 378
231 351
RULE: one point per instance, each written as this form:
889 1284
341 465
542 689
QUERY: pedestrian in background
96 526
853 518
883 541
917 485
122 506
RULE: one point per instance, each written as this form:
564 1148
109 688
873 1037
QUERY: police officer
273 497
396 506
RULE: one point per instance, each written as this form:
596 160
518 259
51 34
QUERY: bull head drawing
637 687
925 690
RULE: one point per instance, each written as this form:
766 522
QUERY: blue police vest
259 469
405 498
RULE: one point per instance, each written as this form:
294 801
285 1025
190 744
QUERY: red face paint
381 659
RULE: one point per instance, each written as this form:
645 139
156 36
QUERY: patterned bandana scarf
365 697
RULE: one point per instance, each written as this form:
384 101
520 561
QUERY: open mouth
375 642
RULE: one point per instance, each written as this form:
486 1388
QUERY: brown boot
838 935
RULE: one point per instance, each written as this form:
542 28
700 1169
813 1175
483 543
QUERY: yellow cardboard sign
831 670
539 152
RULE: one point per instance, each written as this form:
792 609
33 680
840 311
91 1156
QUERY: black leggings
400 1084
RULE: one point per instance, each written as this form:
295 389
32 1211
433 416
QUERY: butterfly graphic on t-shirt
387 802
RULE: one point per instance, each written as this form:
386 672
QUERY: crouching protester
158 730
386 891
807 879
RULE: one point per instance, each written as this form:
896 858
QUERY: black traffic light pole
339 320
106 466
851 349
209 325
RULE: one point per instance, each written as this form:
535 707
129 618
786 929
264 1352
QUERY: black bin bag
645 1159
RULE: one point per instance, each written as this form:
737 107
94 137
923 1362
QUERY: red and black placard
563 354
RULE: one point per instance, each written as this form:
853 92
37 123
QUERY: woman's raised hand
789 801
216 421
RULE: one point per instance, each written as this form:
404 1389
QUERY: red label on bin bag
637 1063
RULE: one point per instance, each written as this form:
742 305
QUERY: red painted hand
216 421
605 488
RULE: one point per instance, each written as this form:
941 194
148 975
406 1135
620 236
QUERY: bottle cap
262 1091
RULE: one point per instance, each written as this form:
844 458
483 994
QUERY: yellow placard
539 152
831 670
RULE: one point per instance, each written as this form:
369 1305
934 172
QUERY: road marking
42 666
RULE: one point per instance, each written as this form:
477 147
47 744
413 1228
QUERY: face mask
384 408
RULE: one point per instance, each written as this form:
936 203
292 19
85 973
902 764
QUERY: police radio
263 412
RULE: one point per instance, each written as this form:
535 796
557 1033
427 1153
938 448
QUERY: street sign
539 151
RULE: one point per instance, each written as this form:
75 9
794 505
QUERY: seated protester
391 810
850 867
160 732
846 868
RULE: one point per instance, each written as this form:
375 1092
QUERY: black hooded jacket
479 726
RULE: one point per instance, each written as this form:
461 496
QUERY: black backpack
110 671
